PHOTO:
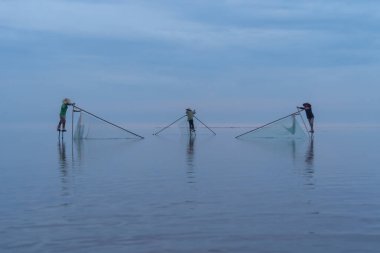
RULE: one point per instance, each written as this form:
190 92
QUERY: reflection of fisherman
62 115
190 161
62 154
309 115
309 157
190 115
190 147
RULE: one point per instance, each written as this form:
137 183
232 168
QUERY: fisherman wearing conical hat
190 115
62 115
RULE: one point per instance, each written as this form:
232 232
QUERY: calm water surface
208 194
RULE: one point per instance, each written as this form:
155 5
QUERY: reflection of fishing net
89 126
287 127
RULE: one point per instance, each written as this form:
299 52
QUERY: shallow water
208 194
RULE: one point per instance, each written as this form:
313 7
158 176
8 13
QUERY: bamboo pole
168 125
108 122
205 125
266 124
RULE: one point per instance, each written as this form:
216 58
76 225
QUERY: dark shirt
309 112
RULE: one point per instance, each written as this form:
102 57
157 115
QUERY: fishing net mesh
90 127
181 127
288 127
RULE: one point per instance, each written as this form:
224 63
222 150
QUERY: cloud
274 26
141 21
224 56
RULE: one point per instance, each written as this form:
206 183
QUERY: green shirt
63 110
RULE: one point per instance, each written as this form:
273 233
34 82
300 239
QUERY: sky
236 62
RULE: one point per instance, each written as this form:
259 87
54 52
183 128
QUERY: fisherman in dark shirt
309 115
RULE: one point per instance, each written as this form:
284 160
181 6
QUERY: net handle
205 125
294 113
74 106
169 125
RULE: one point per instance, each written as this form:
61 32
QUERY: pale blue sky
235 61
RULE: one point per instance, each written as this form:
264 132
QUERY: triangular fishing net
287 127
181 127
89 126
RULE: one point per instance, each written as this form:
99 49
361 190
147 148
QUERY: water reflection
63 166
306 160
62 157
190 160
293 146
299 152
309 156
67 162
77 152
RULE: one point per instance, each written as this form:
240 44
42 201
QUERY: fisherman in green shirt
62 115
